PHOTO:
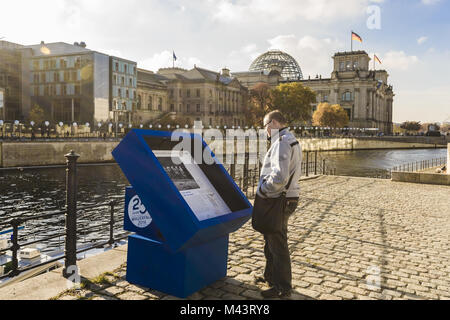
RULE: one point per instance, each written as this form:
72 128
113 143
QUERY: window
139 102
198 108
348 65
172 108
57 77
127 93
131 82
160 104
125 66
188 93
150 103
355 65
117 66
123 81
115 79
119 92
188 108
347 96
325 98
342 66
198 92
77 89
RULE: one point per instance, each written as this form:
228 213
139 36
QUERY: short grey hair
276 115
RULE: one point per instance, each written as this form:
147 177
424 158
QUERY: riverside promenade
350 238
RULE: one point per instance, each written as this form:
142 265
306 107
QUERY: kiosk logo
138 214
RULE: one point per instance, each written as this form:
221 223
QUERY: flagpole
351 40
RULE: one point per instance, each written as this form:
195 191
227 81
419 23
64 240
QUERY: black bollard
71 213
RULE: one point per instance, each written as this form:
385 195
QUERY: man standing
279 175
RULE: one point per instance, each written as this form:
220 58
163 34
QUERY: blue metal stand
152 264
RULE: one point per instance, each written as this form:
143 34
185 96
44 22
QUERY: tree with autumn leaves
328 115
292 99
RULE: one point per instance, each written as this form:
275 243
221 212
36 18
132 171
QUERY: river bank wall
29 154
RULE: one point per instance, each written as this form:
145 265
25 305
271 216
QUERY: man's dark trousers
278 261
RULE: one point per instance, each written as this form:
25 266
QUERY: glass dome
290 68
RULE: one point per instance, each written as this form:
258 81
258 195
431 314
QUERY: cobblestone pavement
351 238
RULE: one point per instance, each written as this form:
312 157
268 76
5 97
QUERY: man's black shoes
263 280
275 293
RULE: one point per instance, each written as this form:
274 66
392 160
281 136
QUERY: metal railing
248 178
71 233
421 165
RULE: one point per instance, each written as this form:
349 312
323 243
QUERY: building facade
216 99
152 97
11 81
365 94
123 89
70 83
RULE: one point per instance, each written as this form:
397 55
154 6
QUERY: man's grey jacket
282 161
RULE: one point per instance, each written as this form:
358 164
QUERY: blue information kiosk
182 207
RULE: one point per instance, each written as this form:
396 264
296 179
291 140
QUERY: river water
31 191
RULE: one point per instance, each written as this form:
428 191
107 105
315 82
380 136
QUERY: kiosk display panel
196 189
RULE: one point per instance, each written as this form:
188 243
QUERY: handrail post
246 163
315 163
70 250
111 225
307 163
15 247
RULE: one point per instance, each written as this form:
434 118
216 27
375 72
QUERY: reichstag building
365 94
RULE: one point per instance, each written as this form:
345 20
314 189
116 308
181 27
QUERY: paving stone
252 294
103 297
111 291
326 296
130 295
233 289
344 294
308 293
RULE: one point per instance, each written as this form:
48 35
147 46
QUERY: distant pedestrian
276 199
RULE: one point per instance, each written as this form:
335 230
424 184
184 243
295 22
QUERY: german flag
356 37
377 59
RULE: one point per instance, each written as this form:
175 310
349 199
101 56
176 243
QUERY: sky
411 37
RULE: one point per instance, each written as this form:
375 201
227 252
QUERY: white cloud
288 10
314 55
422 40
398 60
164 59
430 2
